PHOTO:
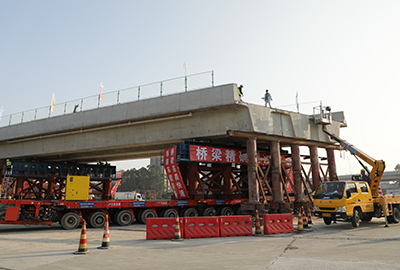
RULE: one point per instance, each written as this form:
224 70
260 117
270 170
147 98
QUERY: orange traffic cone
177 235
105 244
83 241
305 223
309 216
258 227
299 221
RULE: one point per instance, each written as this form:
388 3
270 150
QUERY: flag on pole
53 102
185 66
101 91
1 112
297 101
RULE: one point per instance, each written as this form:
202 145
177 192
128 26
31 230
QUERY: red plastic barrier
235 225
198 227
162 228
278 223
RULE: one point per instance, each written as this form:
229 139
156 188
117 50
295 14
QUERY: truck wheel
226 211
355 219
190 212
396 215
148 213
124 218
327 221
170 213
97 219
70 221
209 212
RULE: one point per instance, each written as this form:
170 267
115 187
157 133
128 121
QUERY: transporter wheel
148 213
170 213
97 219
124 218
190 212
396 215
209 212
355 219
70 221
227 211
327 221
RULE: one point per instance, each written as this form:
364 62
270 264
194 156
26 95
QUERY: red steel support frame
276 172
331 164
254 196
315 167
296 163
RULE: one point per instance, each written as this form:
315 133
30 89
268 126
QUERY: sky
344 54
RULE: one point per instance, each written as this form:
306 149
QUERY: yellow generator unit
77 188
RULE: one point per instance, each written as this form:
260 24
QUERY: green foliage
397 168
150 178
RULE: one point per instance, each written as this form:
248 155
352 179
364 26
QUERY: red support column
227 180
106 189
254 196
315 167
296 164
331 164
193 181
19 185
276 173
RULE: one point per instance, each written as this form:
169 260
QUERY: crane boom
378 166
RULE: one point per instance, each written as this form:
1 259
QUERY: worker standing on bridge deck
8 167
267 98
240 90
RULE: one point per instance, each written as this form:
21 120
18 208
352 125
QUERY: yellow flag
53 102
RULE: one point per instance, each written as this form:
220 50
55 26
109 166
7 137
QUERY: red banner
173 174
228 155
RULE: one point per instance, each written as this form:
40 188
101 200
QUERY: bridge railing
152 90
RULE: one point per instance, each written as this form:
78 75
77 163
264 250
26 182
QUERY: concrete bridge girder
143 129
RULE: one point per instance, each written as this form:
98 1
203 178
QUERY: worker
267 98
240 90
364 177
8 166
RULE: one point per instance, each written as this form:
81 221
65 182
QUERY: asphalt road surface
338 246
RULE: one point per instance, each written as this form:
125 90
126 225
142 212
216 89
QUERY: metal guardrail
157 89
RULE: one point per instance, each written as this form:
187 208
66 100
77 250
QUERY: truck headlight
341 209
315 209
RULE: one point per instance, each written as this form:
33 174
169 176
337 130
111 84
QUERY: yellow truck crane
356 201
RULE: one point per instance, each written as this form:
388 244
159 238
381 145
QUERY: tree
150 178
397 168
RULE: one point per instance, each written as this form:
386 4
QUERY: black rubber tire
170 213
97 219
327 221
124 218
355 219
209 212
227 211
190 212
390 219
148 213
396 215
70 221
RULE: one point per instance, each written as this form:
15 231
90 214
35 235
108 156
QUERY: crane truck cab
344 201
353 201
